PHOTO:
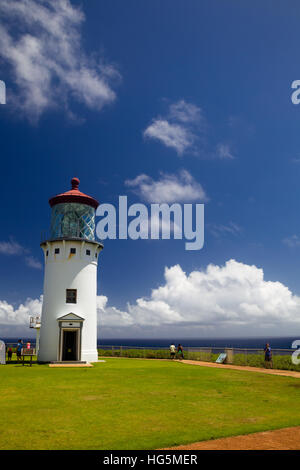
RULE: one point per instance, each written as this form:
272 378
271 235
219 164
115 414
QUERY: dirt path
287 373
280 439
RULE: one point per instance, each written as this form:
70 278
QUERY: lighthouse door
70 328
69 350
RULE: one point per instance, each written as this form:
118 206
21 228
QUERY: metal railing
253 357
47 236
75 234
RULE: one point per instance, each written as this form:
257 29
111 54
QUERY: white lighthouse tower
69 313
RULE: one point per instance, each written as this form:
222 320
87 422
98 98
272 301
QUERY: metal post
37 342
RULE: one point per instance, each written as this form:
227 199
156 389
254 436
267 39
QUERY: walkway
287 373
280 439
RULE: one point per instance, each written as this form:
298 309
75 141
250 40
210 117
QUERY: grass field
283 362
138 404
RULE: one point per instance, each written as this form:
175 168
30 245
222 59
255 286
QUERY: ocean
247 343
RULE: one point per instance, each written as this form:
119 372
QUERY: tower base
89 356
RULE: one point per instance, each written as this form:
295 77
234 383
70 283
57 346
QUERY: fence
10 344
282 358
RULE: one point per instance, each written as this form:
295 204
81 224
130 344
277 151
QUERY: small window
56 251
88 252
96 255
47 253
73 251
71 296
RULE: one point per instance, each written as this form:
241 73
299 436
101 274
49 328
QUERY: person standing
19 349
180 351
172 351
9 354
268 357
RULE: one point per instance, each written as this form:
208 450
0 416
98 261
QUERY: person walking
172 351
180 351
268 357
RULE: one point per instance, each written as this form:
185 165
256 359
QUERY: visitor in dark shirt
180 351
19 349
268 356
9 354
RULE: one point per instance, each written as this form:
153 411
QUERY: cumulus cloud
19 316
219 300
112 317
41 42
177 129
230 298
168 188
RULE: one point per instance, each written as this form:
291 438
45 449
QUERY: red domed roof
74 195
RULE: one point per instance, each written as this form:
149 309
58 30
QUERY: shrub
283 362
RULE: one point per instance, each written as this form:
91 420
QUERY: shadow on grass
20 363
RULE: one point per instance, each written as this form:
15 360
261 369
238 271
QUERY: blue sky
233 64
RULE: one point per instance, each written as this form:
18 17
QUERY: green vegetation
252 360
137 353
257 360
138 404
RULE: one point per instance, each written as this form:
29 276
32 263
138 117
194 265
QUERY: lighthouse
69 312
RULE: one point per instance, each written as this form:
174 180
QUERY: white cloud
10 316
11 248
41 41
230 298
168 188
184 128
177 129
185 112
171 135
222 300
292 241
224 152
219 230
33 262
111 316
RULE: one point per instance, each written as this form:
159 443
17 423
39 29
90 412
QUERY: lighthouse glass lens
73 220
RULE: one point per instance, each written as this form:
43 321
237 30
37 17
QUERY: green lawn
138 404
